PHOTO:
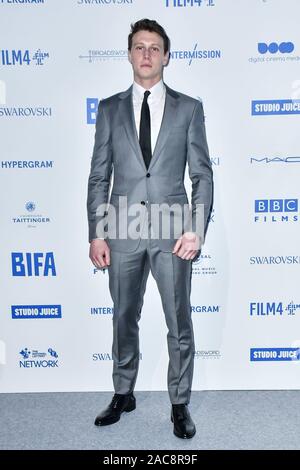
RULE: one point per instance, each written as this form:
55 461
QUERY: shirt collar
157 91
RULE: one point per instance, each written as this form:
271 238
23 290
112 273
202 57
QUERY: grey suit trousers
128 274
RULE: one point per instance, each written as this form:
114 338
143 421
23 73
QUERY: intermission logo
274 160
22 57
205 308
275 107
31 219
207 354
274 52
190 3
103 55
274 354
105 356
105 2
275 260
35 311
26 164
273 309
101 311
203 266
33 264
35 358
195 54
276 210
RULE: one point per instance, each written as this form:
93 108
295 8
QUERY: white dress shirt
156 102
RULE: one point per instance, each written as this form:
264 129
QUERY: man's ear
166 59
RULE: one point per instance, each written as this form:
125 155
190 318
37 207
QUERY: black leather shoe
184 426
112 413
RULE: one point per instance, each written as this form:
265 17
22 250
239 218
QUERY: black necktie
145 130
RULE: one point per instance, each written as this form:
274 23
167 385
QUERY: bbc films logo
274 52
22 57
31 219
276 210
273 309
33 358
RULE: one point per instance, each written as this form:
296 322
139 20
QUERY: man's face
147 56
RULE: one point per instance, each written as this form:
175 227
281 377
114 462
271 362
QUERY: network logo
38 359
190 3
33 264
35 311
12 57
272 309
274 47
275 107
274 354
268 210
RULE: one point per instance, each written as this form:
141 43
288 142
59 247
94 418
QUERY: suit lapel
166 124
127 117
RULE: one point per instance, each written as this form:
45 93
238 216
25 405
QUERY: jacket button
143 203
148 175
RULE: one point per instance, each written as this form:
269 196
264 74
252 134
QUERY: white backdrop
57 58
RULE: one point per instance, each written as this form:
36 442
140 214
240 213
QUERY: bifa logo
276 206
274 47
272 309
33 264
38 359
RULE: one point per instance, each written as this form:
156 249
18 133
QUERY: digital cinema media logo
274 52
276 210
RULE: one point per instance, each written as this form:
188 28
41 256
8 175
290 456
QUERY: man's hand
100 253
187 245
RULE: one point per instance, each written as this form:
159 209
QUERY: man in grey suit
145 136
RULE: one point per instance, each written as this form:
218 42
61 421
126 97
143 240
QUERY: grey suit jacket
181 140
